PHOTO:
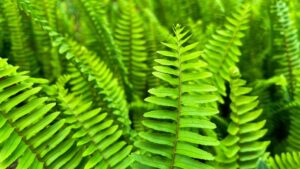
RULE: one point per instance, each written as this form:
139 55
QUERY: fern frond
173 138
22 54
103 86
288 160
130 36
101 135
287 46
43 46
242 148
108 47
222 50
32 130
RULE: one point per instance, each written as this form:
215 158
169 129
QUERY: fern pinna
175 129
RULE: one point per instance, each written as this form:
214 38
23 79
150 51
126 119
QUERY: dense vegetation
115 84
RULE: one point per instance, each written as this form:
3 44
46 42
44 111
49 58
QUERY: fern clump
86 84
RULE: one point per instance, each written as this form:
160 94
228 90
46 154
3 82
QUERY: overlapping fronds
242 148
93 129
31 132
222 51
130 36
102 84
107 45
91 67
173 138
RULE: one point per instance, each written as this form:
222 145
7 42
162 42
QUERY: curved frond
105 146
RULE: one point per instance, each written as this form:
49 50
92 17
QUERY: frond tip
173 138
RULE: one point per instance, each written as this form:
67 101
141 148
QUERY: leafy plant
149 84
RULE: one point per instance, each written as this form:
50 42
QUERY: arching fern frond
130 37
96 78
173 138
287 46
102 137
31 132
242 148
222 51
285 161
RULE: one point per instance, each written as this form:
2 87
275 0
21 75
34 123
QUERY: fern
287 46
30 129
102 136
242 148
103 34
21 51
130 37
90 65
222 52
102 82
285 161
172 136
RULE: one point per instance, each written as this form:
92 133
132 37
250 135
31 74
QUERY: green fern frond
242 148
108 91
102 137
108 47
130 36
22 54
30 129
287 46
173 138
222 51
43 46
285 161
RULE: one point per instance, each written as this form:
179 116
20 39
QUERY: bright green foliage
285 161
30 129
97 80
130 36
222 52
187 100
95 130
94 61
242 148
106 45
